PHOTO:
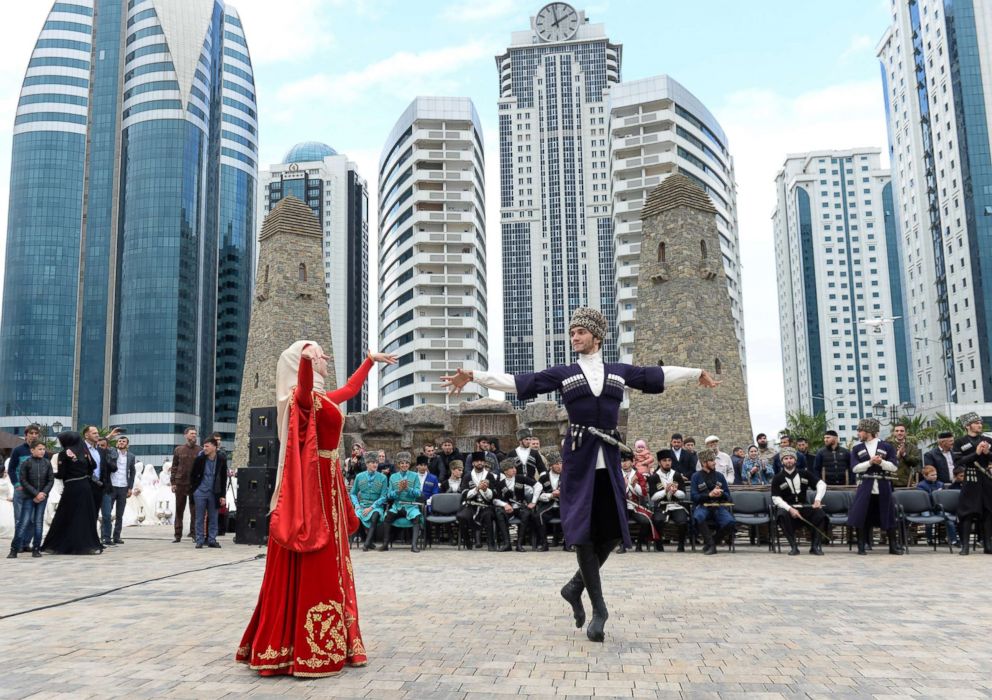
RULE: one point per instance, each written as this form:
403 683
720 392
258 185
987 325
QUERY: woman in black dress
73 529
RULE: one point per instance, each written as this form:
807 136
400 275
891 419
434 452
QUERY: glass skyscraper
130 237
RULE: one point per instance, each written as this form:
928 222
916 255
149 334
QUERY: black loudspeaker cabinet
255 487
263 452
263 423
252 526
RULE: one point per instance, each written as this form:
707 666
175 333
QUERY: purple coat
579 465
858 513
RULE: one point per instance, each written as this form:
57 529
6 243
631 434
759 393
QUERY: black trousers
677 517
790 524
471 519
604 523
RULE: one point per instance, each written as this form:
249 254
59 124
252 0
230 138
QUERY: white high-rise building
331 186
936 62
432 251
557 227
656 128
840 287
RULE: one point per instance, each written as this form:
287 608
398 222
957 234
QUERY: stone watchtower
683 319
289 304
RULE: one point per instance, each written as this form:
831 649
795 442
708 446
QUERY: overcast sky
781 77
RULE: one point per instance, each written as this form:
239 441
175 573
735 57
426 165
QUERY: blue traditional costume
873 504
593 506
366 491
405 509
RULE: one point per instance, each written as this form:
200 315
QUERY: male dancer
873 462
593 507
974 452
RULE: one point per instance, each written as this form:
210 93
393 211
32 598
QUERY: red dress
306 619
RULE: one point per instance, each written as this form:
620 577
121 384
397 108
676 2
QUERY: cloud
859 44
475 11
763 126
284 31
404 73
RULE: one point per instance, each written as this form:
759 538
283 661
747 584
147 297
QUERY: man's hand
454 383
367 510
39 498
173 488
706 380
816 503
531 506
403 483
484 485
715 493
129 493
876 459
556 493
793 512
507 508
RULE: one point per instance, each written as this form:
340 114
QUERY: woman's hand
382 357
314 352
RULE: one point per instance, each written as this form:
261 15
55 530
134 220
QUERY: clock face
557 21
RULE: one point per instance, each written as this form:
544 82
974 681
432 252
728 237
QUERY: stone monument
289 304
683 319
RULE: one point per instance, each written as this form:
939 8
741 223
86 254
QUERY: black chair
835 505
444 506
911 504
752 509
946 501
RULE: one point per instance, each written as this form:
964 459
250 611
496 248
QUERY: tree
799 424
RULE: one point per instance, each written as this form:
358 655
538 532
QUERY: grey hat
706 456
403 457
553 457
869 425
524 433
590 319
456 464
787 452
507 463
969 418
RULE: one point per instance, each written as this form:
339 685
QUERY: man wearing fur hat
711 497
789 488
874 464
404 497
478 489
531 465
667 488
974 452
516 496
548 502
593 507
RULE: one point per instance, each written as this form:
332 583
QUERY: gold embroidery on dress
357 647
324 627
271 653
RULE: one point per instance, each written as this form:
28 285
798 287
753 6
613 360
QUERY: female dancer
306 618
73 529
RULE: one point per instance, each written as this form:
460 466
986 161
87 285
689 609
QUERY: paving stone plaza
455 624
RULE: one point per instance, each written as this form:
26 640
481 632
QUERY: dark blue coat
585 409
858 514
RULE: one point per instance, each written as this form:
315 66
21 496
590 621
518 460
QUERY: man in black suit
99 463
118 489
941 457
684 461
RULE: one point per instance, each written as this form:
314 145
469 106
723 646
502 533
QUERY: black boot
415 539
894 546
965 535
370 536
707 533
861 540
589 566
815 547
387 536
794 548
658 546
504 534
572 593
35 552
13 552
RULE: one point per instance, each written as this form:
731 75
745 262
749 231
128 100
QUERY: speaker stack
257 481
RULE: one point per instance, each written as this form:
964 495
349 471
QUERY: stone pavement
447 624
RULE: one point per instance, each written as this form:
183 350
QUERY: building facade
836 259
557 227
331 186
657 128
936 61
432 251
131 224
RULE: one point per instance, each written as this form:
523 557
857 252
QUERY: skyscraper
657 128
836 257
557 228
330 185
131 224
937 82
432 250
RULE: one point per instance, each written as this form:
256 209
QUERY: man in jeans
182 464
208 485
18 455
116 495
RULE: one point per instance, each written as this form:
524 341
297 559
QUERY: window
661 252
303 272
702 248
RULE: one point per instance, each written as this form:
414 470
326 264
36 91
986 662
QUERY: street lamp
57 427
887 414
824 398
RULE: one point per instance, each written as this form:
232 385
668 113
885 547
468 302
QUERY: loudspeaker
252 526
263 423
255 487
263 452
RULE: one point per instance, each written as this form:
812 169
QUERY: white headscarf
287 374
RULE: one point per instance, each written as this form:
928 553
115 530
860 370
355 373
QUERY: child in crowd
37 478
930 484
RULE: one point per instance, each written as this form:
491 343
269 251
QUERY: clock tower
556 215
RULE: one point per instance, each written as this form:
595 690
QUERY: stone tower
683 318
289 304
